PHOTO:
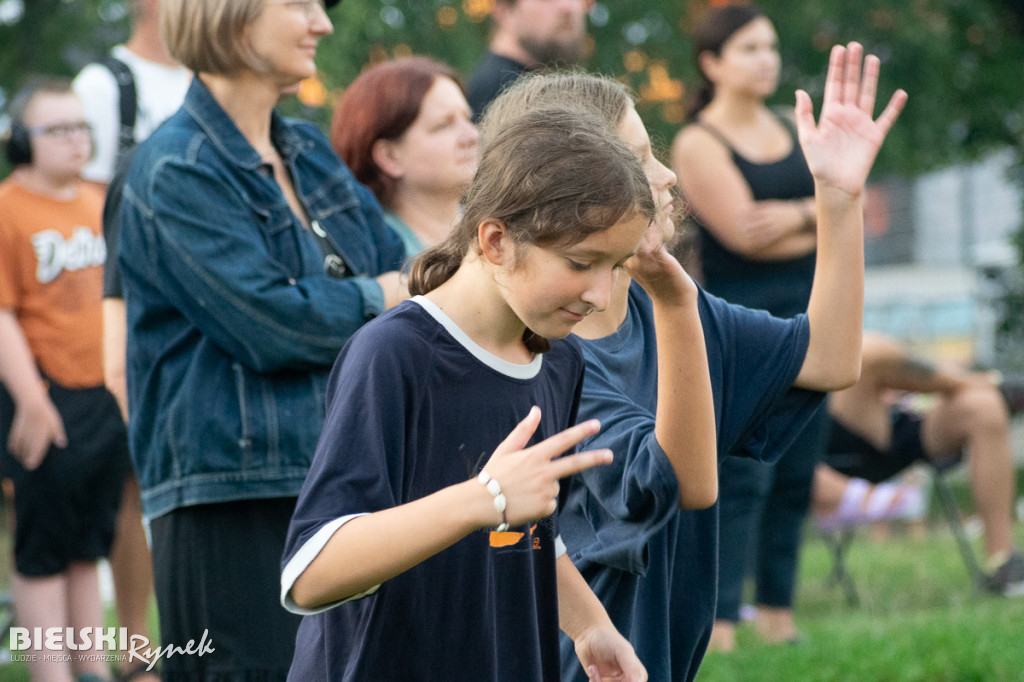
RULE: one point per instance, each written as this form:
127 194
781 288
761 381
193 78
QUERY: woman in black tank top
746 181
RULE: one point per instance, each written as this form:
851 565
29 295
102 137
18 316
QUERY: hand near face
842 146
658 272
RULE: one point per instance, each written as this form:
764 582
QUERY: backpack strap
128 103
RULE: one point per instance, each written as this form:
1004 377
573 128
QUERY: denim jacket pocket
336 195
283 238
244 413
270 409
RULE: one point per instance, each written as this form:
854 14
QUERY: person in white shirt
160 84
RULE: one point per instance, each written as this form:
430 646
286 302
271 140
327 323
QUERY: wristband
494 488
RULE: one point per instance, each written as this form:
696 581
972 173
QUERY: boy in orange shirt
62 440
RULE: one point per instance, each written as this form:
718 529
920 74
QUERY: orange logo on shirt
511 538
56 254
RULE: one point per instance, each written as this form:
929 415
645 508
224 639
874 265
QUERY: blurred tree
961 60
54 38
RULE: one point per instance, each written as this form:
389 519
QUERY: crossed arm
765 230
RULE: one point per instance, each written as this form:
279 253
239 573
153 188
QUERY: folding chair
951 512
839 542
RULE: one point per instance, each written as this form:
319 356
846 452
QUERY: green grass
919 620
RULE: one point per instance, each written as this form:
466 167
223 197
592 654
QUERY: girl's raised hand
529 476
658 271
841 148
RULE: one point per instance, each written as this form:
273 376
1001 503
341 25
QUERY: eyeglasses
62 131
307 6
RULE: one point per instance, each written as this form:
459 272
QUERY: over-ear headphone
17 142
18 146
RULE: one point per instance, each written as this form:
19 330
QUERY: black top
416 406
492 75
780 287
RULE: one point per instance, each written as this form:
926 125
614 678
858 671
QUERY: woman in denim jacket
234 323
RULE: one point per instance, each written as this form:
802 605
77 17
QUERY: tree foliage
962 61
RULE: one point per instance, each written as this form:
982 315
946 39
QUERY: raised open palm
841 147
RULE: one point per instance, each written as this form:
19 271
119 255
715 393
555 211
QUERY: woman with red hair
405 130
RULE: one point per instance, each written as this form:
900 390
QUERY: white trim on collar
511 369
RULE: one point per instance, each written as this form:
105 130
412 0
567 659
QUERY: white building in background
966 213
932 245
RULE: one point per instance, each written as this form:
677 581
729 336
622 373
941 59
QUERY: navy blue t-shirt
416 406
654 566
781 287
491 76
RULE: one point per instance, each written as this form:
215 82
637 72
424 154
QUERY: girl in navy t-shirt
639 529
424 544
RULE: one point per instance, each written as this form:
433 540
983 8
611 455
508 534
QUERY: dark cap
331 3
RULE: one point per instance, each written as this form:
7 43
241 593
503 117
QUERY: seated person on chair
874 437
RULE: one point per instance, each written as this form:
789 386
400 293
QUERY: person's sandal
863 503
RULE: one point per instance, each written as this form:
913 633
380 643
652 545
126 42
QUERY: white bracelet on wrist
494 488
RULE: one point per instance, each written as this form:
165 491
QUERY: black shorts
217 569
66 509
854 456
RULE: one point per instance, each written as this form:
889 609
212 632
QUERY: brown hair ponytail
435 266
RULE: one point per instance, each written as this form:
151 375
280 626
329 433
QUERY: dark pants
762 508
66 508
217 569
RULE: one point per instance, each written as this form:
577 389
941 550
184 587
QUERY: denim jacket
233 325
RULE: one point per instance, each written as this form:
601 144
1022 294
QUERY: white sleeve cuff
304 557
560 547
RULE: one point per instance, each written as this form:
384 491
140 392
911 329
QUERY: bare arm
603 652
371 549
840 150
685 416
395 286
114 347
377 547
889 366
36 425
717 192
